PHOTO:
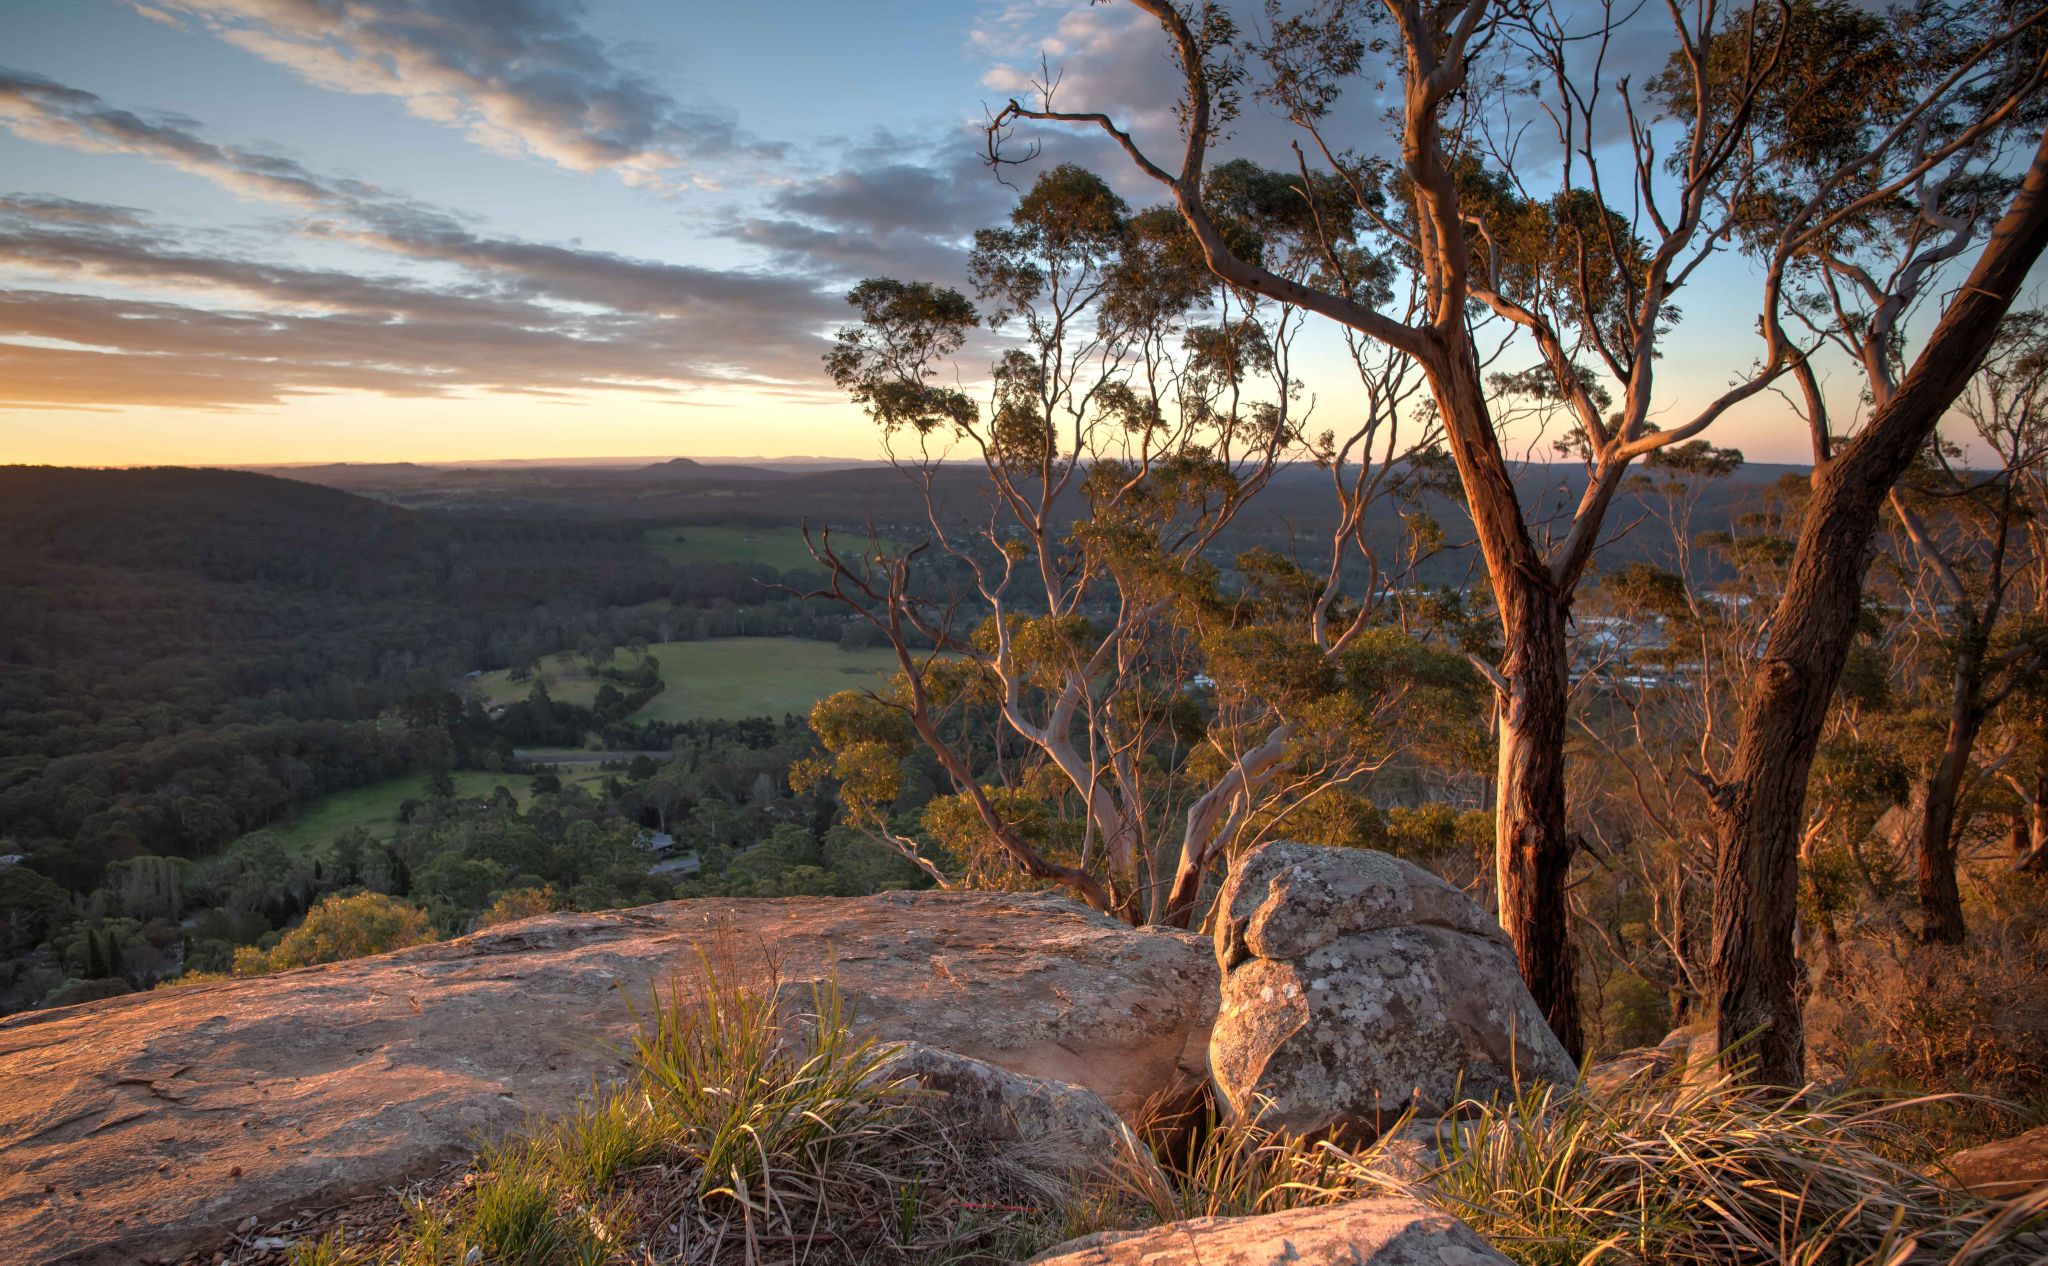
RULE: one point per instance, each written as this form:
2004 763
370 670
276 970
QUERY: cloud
445 304
517 315
40 109
519 76
897 206
1112 59
243 334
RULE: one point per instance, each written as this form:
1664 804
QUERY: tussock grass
756 1128
1688 1169
1700 1169
1223 1168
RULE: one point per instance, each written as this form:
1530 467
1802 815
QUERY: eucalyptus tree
1499 204
1537 189
1972 560
1901 145
1134 408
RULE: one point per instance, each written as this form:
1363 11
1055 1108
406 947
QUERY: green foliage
976 860
888 362
519 903
1633 1013
31 908
1435 831
342 927
1641 587
73 992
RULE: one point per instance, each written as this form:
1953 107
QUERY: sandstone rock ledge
1372 1232
138 1127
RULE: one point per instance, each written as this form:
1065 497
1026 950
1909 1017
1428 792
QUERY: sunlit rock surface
1380 1232
133 1128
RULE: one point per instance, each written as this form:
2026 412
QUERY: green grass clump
756 1128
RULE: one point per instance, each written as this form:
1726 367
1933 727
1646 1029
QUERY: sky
256 231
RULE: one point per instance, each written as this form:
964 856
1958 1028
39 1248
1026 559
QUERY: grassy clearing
566 683
781 548
374 807
722 678
735 677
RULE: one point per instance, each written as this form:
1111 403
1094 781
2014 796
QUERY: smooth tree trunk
1532 844
1761 806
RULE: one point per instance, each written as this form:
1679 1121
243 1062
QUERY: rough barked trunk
1532 846
1761 806
1941 901
1756 889
1534 854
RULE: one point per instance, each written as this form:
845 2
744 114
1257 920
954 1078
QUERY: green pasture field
375 807
720 678
732 677
781 548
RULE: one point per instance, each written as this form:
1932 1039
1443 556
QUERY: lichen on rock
1356 986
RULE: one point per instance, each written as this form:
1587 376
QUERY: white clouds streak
524 316
518 76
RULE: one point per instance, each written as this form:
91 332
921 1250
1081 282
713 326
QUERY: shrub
340 928
1969 1020
72 992
520 903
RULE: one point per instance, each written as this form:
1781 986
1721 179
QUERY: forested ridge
191 661
186 653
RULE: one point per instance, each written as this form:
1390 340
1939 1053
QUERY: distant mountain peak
673 463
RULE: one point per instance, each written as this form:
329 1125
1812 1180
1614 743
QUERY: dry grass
1969 1023
757 1129
1688 1169
1695 1168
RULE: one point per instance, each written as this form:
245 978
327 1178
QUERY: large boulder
1357 985
1052 1126
137 1127
2007 1167
1374 1232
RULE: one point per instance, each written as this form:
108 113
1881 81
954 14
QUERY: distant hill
674 465
1292 515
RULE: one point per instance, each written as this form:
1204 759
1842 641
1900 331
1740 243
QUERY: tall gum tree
1135 407
1906 143
1972 570
1576 270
